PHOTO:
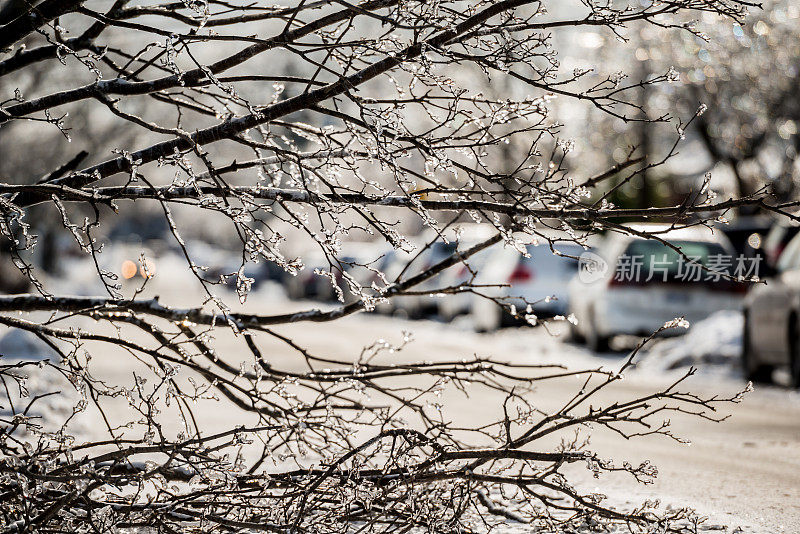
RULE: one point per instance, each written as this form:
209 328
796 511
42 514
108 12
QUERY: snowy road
744 472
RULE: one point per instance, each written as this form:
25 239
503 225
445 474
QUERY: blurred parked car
776 241
431 250
464 273
539 281
306 284
771 334
620 300
747 235
359 260
391 266
228 271
420 306
12 280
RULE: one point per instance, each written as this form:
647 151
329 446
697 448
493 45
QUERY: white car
636 285
771 335
464 273
536 284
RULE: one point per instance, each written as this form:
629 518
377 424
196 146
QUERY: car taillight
730 286
521 274
775 254
615 282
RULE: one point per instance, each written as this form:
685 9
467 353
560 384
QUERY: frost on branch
283 135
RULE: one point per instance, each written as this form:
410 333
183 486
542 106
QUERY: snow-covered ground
42 393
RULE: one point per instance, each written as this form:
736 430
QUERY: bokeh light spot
128 270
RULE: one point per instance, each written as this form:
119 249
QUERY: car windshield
440 251
655 256
543 258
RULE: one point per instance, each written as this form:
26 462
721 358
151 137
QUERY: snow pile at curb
21 345
715 342
51 411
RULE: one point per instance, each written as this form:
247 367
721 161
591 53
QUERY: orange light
147 269
128 269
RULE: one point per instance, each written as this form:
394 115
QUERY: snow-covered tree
298 126
746 75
